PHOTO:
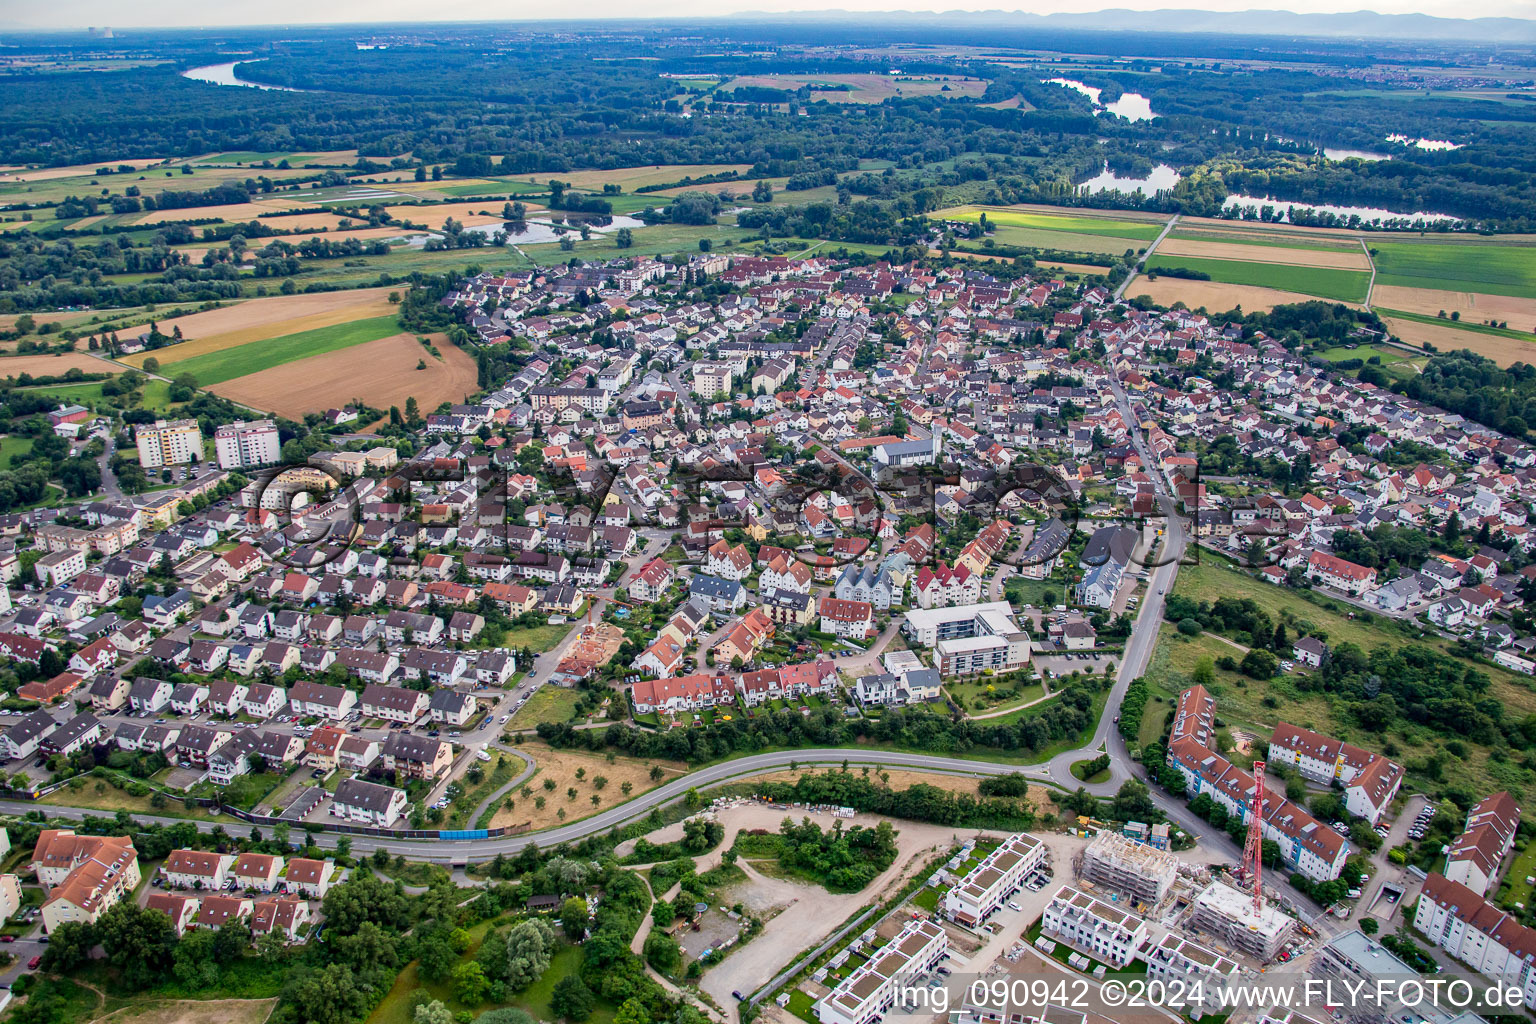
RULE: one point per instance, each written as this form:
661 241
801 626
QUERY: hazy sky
193 13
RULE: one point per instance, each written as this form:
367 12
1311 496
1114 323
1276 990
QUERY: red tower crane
1253 849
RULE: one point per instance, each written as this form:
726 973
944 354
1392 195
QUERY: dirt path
806 913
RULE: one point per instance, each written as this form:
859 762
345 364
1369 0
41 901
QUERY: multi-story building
1370 781
872 988
85 875
169 443
1185 966
367 803
242 445
1475 855
196 869
985 887
1133 868
1227 915
1479 934
1094 926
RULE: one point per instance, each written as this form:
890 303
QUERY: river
1365 213
224 74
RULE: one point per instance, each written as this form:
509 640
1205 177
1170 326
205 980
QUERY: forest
524 101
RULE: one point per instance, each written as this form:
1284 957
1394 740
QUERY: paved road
1142 261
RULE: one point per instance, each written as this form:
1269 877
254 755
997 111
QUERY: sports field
243 360
1451 266
1323 282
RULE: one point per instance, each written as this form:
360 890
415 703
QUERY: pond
224 74
1132 106
535 232
1162 177
1368 214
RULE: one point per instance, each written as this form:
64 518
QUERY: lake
1162 177
535 232
1131 105
1433 145
224 74
1365 213
1334 153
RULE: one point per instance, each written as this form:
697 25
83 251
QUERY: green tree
661 952
632 1011
571 999
470 985
573 918
530 945
330 995
138 942
435 1012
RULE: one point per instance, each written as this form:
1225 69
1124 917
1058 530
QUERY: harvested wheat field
560 766
75 171
1342 259
1268 231
1474 306
269 317
194 1011
381 373
234 213
631 178
40 366
1504 351
471 213
1215 296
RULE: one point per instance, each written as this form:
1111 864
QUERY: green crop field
489 188
1495 269
1143 231
1257 236
216 367
1325 283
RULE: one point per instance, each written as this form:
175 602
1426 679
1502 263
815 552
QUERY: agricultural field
1038 218
53 365
1259 252
561 767
1473 307
1504 346
381 372
865 88
256 320
1215 296
1496 269
1318 282
227 364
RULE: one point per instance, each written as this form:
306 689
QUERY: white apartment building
986 886
872 989
1188 967
241 445
1094 926
169 443
1477 933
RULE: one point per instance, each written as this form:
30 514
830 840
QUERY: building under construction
1142 872
1228 914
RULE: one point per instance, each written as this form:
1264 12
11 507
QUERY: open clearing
561 766
865 88
1321 282
195 1011
1339 259
896 778
1216 296
1474 306
382 373
244 360
269 317
1448 338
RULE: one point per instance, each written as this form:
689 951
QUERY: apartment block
986 886
242 445
1094 926
1116 862
169 443
872 989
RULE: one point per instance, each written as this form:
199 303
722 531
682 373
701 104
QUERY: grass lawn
12 445
217 367
100 795
982 695
540 638
928 899
1514 889
801 1005
1386 355
495 776
1046 593
1496 269
549 703
155 395
1326 283
1079 768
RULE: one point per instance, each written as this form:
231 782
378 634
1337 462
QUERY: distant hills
1352 25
